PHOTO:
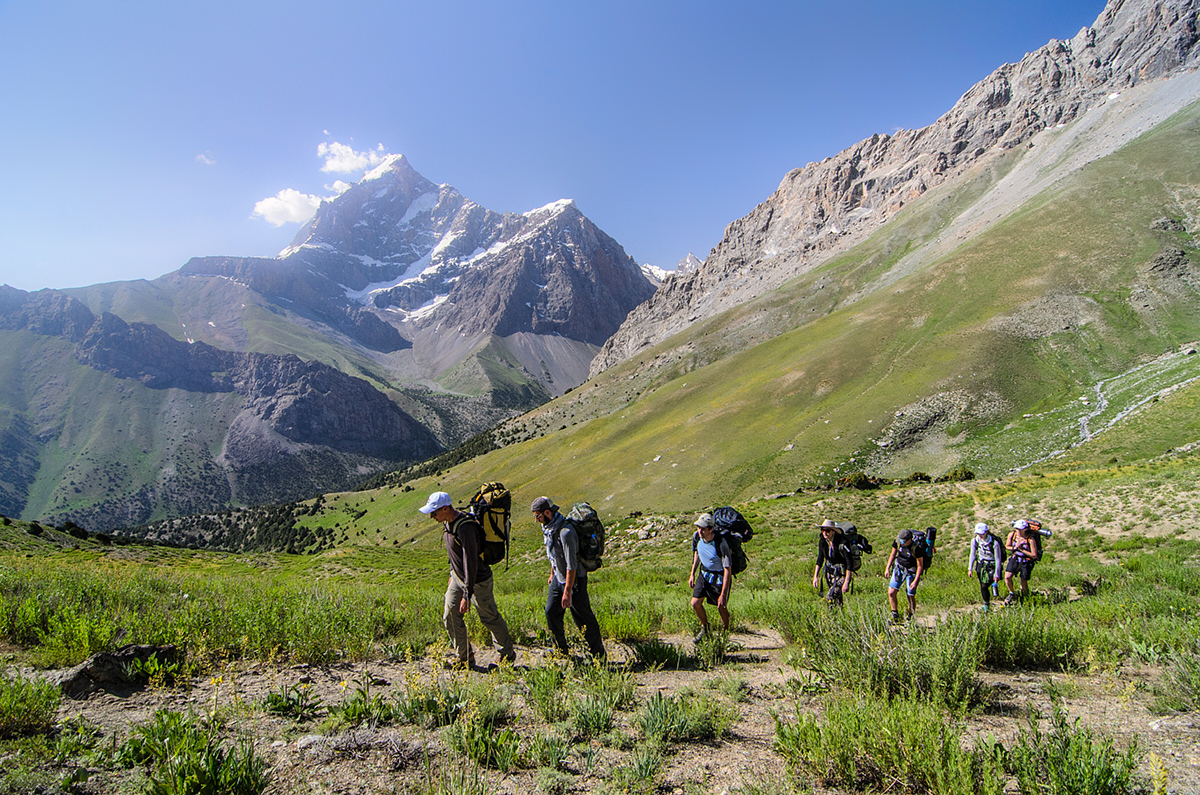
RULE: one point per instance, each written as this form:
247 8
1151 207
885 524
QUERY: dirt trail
396 759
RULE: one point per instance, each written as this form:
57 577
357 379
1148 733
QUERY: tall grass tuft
1036 638
859 650
664 719
901 745
27 707
1069 760
184 756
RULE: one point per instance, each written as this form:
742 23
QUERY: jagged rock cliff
825 208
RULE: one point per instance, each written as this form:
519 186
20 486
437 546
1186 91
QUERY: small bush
477 739
1180 689
1032 638
899 745
297 702
27 707
185 757
675 719
592 715
1070 760
545 692
657 653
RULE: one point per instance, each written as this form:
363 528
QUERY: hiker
986 561
470 583
1025 548
712 573
831 552
568 580
907 571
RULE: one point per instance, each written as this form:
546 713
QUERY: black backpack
736 553
589 530
923 544
733 527
492 508
853 545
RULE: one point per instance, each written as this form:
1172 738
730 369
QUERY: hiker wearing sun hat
833 556
986 561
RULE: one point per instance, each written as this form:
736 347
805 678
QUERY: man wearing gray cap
470 582
712 573
568 580
906 573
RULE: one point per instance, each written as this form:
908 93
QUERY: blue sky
139 134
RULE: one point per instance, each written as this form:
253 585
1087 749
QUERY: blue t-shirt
714 557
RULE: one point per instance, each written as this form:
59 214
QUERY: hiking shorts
1022 567
903 577
708 587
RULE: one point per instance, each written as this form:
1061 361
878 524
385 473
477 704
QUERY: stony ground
756 678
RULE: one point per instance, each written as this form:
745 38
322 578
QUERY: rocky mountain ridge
419 255
826 208
285 410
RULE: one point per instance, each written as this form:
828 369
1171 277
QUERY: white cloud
289 206
206 159
342 159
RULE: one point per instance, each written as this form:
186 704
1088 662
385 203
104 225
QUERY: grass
1092 613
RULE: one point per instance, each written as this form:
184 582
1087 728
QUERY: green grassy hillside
989 358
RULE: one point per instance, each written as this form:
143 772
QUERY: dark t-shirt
462 547
835 556
906 556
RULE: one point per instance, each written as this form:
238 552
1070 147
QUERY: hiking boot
1011 599
700 635
895 617
985 608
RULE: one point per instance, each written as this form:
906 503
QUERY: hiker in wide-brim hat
832 557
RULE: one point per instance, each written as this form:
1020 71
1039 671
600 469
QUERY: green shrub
1070 761
657 653
900 745
665 719
544 688
1180 688
185 757
1035 638
480 741
548 750
592 715
860 650
27 707
298 702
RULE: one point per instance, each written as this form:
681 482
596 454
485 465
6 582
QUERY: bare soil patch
405 758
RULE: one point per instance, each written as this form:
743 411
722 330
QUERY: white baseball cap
1021 524
981 528
704 520
439 499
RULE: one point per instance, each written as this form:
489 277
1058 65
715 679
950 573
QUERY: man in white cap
986 561
712 573
470 582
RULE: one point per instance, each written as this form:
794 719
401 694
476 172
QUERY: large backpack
998 543
589 530
492 508
923 545
734 528
853 544
727 521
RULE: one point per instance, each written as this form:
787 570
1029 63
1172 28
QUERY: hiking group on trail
477 539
